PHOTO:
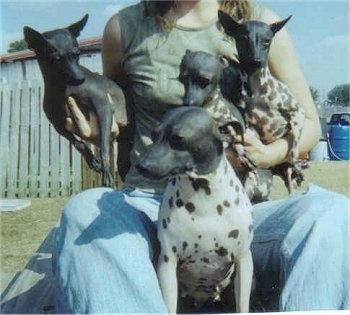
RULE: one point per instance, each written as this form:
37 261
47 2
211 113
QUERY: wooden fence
34 160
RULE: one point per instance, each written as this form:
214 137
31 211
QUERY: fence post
24 140
14 136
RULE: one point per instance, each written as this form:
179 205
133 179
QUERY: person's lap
300 251
104 257
105 251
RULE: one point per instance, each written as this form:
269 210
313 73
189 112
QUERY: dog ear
76 28
36 41
277 26
230 25
32 37
186 55
223 61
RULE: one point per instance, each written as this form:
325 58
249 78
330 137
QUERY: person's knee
84 204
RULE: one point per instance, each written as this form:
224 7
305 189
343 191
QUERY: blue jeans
106 241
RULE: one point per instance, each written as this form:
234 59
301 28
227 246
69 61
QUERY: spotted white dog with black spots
205 220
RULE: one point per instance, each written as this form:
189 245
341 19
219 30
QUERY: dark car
339 136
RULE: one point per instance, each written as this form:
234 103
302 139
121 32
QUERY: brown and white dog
269 109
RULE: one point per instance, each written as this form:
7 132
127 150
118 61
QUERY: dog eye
76 53
57 57
267 43
243 37
202 82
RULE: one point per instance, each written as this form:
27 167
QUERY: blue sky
320 29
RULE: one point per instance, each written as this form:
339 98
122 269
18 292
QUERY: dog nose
76 81
144 170
147 172
252 65
77 76
257 62
74 74
191 103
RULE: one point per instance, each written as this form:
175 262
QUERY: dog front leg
81 146
296 121
167 277
243 282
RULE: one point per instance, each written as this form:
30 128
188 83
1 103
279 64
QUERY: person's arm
112 55
285 67
112 50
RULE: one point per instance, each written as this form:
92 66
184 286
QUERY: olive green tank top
151 59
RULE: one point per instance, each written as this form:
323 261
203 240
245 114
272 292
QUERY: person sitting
106 240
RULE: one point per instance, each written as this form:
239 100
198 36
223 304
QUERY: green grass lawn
23 231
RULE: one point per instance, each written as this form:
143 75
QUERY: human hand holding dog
265 155
86 128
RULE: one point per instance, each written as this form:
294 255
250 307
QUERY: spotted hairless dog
201 74
268 107
205 222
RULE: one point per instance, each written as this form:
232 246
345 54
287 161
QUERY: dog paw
95 164
243 157
297 176
107 179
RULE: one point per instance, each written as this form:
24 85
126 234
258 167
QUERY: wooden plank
76 171
14 138
44 156
114 166
96 178
12 183
85 174
55 165
4 137
65 167
24 140
90 178
33 176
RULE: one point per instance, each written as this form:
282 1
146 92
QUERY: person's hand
265 156
255 149
86 128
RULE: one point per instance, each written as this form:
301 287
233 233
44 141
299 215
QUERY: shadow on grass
31 290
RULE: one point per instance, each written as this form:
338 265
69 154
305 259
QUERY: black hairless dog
58 56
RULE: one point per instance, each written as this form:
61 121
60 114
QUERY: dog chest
268 105
270 124
217 107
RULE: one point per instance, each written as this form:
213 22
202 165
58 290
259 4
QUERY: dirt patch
22 232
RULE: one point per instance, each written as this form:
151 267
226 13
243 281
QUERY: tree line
337 96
